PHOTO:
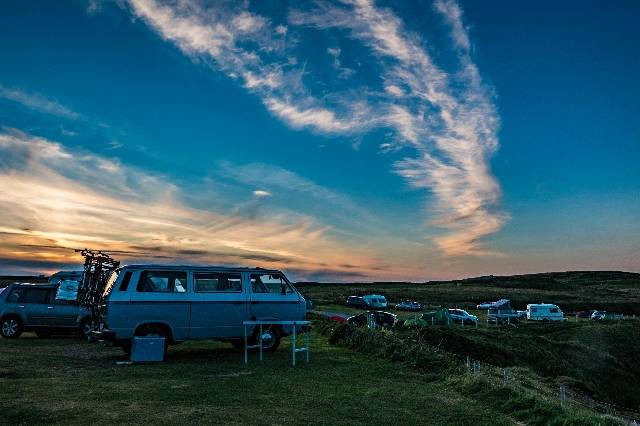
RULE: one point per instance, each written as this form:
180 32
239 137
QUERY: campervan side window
269 283
163 281
206 282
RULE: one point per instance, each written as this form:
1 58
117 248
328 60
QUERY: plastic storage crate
147 349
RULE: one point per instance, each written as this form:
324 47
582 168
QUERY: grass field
68 381
356 376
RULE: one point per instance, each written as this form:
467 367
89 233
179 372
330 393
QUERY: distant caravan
544 312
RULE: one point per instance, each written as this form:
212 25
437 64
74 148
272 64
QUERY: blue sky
335 140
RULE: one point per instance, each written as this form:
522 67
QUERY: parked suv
356 302
33 307
463 317
195 303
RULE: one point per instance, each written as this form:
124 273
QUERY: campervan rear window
125 281
217 282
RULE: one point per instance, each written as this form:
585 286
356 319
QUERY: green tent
439 316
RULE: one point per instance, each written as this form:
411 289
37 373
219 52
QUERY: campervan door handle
49 307
20 306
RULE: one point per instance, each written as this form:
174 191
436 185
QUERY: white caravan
544 312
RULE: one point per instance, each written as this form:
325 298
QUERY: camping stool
294 349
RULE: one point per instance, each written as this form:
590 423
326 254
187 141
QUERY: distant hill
572 290
567 277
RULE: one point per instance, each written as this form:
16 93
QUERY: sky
347 140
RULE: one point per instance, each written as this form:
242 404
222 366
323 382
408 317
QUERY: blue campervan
197 302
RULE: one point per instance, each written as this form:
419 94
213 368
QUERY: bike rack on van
98 267
294 349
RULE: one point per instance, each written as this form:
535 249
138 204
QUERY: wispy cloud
55 199
37 102
446 117
304 195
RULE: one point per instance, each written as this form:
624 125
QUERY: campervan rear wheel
126 346
86 327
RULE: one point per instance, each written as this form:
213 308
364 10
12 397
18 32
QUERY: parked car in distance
379 318
544 312
356 302
584 314
522 315
409 305
375 301
461 316
183 303
34 307
604 315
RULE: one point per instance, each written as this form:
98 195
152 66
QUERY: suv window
16 295
269 283
217 282
36 295
163 282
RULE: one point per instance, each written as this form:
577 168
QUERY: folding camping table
294 349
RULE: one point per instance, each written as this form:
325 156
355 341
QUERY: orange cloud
55 200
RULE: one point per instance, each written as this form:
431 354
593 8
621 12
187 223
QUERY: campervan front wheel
270 339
